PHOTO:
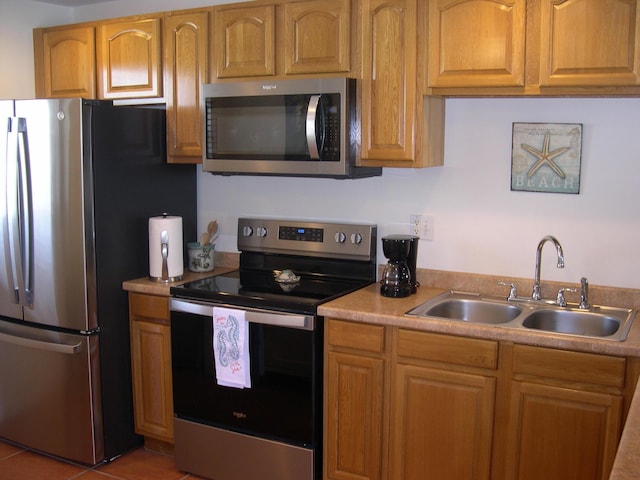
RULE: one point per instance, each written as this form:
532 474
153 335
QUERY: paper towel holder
164 256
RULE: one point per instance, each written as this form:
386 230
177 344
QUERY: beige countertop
368 306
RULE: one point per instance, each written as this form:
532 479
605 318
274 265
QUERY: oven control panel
303 237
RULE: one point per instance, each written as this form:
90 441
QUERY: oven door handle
264 317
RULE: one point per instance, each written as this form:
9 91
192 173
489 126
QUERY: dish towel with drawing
231 348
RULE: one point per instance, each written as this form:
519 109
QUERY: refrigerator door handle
20 210
40 345
11 228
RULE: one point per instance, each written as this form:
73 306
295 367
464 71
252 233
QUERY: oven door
284 402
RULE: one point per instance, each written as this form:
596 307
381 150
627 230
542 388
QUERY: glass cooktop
254 289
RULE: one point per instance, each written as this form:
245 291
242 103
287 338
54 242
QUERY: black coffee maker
399 275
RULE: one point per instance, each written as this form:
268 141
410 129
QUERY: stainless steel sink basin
578 322
468 308
607 323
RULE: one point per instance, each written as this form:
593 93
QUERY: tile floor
17 463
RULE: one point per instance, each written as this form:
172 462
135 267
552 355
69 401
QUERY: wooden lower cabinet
441 424
565 414
354 427
409 405
151 366
561 433
442 406
355 366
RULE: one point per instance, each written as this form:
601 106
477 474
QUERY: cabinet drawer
471 352
150 306
565 365
356 335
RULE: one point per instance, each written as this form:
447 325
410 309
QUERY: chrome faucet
584 293
536 295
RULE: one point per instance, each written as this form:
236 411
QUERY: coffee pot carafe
399 275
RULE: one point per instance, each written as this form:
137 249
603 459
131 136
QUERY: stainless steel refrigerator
78 181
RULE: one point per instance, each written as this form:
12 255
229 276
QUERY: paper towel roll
165 233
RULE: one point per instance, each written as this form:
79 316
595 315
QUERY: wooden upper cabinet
65 62
388 82
317 36
475 43
533 47
245 41
400 126
129 59
589 43
186 57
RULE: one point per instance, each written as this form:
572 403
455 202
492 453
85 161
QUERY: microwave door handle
312 136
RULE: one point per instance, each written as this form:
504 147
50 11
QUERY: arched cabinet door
245 41
589 43
65 62
186 67
317 36
130 59
476 43
400 126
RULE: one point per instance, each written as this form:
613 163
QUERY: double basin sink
607 323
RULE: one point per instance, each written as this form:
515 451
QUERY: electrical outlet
422 226
414 225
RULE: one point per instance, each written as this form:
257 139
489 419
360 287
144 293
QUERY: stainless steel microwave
302 127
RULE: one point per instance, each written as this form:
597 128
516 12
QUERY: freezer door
57 292
49 400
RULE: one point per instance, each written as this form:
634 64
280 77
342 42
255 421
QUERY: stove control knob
340 237
261 231
356 238
247 231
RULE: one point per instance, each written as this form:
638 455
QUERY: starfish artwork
546 157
